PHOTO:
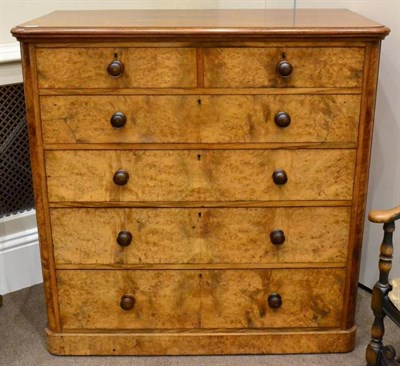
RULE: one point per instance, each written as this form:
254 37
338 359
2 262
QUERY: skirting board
19 252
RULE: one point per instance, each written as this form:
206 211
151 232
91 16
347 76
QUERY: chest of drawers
200 177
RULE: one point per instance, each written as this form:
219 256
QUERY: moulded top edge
256 22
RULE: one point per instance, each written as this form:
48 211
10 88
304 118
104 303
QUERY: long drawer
321 67
199 175
200 299
142 67
200 118
214 235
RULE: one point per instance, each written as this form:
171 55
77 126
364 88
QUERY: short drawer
200 118
272 298
199 175
214 235
208 299
319 67
142 67
150 299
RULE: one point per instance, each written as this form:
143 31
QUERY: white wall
384 189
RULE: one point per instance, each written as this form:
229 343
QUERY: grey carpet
22 343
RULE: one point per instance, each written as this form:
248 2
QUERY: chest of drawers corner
200 177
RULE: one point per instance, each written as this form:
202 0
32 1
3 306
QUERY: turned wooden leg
380 290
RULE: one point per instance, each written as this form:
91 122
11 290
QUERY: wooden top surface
256 22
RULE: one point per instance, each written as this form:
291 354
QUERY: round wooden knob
274 301
118 120
127 302
115 68
121 177
279 177
284 69
282 119
124 238
277 237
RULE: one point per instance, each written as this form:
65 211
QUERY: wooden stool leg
381 288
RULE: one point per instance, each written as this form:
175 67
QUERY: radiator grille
16 194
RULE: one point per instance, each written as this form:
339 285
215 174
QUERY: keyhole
199 157
199 215
199 101
283 55
115 55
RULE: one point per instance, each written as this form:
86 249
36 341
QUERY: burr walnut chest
200 177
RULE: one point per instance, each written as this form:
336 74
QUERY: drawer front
205 299
143 67
239 298
257 67
232 235
202 175
162 299
200 119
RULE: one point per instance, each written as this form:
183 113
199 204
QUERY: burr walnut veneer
200 177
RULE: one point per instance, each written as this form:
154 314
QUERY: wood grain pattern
194 42
218 23
88 236
216 343
200 67
164 299
199 175
361 180
143 67
200 119
200 266
238 299
192 204
39 185
206 146
202 91
204 19
256 67
205 299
